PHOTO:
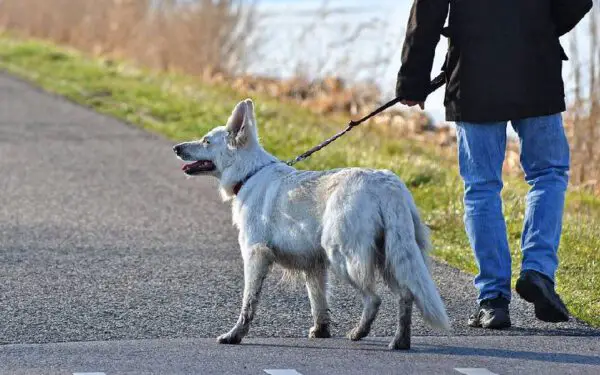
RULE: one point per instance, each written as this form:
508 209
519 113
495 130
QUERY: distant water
312 37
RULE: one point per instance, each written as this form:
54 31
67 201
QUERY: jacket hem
456 115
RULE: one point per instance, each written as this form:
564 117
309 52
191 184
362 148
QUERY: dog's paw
320 331
357 333
399 345
230 339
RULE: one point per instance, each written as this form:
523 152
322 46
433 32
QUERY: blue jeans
545 161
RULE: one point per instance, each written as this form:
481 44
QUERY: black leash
435 84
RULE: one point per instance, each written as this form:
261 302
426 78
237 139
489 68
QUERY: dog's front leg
256 266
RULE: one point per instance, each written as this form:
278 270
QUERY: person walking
504 63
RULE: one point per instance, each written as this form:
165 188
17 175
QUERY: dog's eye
205 141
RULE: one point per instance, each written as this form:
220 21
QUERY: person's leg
545 161
481 151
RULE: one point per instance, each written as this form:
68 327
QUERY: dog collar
237 187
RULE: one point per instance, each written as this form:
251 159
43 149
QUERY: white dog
359 222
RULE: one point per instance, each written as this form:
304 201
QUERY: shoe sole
545 310
490 326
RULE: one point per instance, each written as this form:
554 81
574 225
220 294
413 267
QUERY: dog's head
223 146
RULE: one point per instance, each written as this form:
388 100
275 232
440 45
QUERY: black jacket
504 59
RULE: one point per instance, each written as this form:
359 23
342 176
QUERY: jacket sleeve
567 13
425 24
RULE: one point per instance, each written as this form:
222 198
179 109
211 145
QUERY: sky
355 39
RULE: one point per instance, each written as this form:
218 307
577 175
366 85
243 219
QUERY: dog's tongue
195 164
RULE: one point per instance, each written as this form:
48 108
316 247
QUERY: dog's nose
177 149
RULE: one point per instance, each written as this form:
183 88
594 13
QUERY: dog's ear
241 124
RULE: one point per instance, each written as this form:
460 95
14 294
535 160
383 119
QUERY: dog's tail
406 261
422 233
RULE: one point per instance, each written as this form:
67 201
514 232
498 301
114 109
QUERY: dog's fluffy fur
358 222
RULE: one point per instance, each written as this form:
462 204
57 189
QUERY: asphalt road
103 238
500 355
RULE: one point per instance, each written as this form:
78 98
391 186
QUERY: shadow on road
564 358
449 350
582 332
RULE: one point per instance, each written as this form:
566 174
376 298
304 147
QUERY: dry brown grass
217 39
213 39
583 116
199 37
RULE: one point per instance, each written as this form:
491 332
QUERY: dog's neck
238 186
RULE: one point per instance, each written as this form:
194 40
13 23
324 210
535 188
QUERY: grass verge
182 108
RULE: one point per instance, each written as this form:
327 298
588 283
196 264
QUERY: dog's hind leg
363 281
256 267
371 302
316 284
401 339
350 227
361 277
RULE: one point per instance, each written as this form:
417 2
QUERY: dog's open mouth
197 167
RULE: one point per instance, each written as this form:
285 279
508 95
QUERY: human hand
412 103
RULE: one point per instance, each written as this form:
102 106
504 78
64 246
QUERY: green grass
183 108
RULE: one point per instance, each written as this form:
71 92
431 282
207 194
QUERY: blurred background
329 56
